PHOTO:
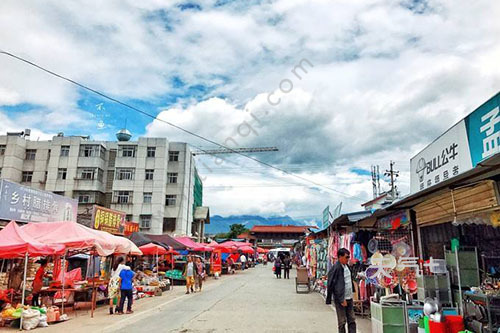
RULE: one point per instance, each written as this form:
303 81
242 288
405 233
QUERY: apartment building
153 180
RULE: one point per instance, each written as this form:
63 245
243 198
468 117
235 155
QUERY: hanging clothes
357 253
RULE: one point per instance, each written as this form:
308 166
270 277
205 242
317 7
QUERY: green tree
236 230
222 235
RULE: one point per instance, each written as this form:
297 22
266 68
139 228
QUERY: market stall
223 252
15 243
77 238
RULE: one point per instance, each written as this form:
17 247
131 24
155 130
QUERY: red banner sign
131 227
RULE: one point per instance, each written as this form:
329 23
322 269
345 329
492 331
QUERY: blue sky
383 79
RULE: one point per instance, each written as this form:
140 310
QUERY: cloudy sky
381 80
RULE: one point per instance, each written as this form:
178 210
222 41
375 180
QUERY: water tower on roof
123 135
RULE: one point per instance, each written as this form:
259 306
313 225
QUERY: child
126 276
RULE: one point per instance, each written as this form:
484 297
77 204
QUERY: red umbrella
246 249
225 248
261 250
153 249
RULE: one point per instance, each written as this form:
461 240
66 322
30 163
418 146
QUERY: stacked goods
175 274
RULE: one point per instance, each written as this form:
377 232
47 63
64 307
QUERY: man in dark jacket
340 287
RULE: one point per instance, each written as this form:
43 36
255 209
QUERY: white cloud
388 78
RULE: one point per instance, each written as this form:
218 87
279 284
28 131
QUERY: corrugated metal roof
280 228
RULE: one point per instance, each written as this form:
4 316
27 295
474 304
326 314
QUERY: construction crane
234 151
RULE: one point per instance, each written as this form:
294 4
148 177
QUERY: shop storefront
454 211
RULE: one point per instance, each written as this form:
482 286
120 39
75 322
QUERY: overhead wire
131 107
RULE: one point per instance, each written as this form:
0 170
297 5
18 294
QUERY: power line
169 123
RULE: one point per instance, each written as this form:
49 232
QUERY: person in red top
38 282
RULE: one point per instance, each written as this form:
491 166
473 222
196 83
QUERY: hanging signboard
460 149
109 220
445 158
326 217
26 204
337 211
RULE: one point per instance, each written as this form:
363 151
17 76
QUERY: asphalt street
251 301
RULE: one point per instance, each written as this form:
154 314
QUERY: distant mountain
220 224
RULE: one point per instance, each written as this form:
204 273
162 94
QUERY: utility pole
393 174
376 181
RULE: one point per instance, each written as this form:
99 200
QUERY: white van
282 251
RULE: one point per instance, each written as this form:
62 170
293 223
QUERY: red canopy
76 236
223 247
152 249
261 250
193 245
246 249
15 243
237 244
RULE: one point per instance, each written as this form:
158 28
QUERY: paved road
251 301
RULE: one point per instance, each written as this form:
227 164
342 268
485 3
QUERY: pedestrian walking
287 264
230 265
277 267
243 261
114 284
200 274
340 287
126 287
189 272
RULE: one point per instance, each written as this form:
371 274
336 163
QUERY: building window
147 197
59 193
2 149
170 199
145 221
27 176
84 198
172 177
89 173
173 156
91 151
129 217
0 172
169 224
151 151
123 197
61 173
149 174
30 154
128 151
125 174
64 150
